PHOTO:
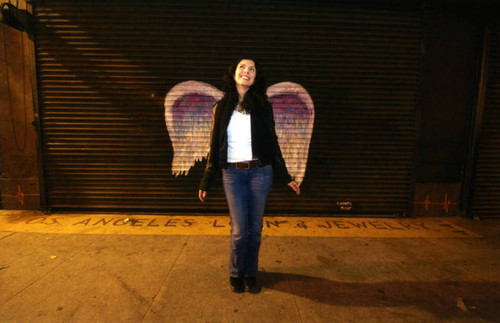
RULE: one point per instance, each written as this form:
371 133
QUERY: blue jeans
246 193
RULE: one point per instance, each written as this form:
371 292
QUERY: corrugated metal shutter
105 67
486 189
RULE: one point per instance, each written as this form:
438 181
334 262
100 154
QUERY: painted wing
188 116
294 117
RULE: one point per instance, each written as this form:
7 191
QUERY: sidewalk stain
27 221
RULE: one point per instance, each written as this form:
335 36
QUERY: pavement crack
289 283
48 272
165 279
9 235
132 291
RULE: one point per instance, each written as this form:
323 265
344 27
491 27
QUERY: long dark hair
256 94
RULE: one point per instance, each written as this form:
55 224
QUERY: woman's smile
245 73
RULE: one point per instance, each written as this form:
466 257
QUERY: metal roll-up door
104 69
486 187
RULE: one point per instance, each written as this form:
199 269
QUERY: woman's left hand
294 186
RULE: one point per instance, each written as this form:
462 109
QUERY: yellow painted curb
28 221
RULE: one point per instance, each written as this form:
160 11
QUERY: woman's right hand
202 195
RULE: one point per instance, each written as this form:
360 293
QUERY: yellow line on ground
30 221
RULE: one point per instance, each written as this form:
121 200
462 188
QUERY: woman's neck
242 90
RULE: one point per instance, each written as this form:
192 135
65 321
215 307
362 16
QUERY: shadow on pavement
446 299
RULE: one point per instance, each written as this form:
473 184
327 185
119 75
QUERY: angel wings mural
188 116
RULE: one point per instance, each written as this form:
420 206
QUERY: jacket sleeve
278 163
213 156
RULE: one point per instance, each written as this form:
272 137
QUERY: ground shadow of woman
446 299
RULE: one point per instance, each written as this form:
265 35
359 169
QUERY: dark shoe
236 284
251 285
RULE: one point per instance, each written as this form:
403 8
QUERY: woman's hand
202 195
294 186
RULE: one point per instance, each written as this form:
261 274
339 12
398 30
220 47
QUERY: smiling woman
244 75
245 146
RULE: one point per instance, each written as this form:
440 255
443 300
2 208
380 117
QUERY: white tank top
239 138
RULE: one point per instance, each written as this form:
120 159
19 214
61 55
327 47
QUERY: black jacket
265 145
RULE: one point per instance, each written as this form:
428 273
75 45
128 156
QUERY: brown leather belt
245 165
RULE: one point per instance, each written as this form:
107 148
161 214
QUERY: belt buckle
243 165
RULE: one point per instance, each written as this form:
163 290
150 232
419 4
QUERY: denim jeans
246 193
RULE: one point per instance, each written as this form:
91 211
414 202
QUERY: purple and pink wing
188 116
294 118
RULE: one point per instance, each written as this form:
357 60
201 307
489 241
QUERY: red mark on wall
19 195
445 204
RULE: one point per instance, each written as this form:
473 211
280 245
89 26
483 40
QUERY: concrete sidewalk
46 277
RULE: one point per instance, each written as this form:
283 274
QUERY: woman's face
245 73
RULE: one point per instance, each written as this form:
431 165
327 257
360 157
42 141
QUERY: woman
245 146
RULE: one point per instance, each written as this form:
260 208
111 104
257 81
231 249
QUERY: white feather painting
188 116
